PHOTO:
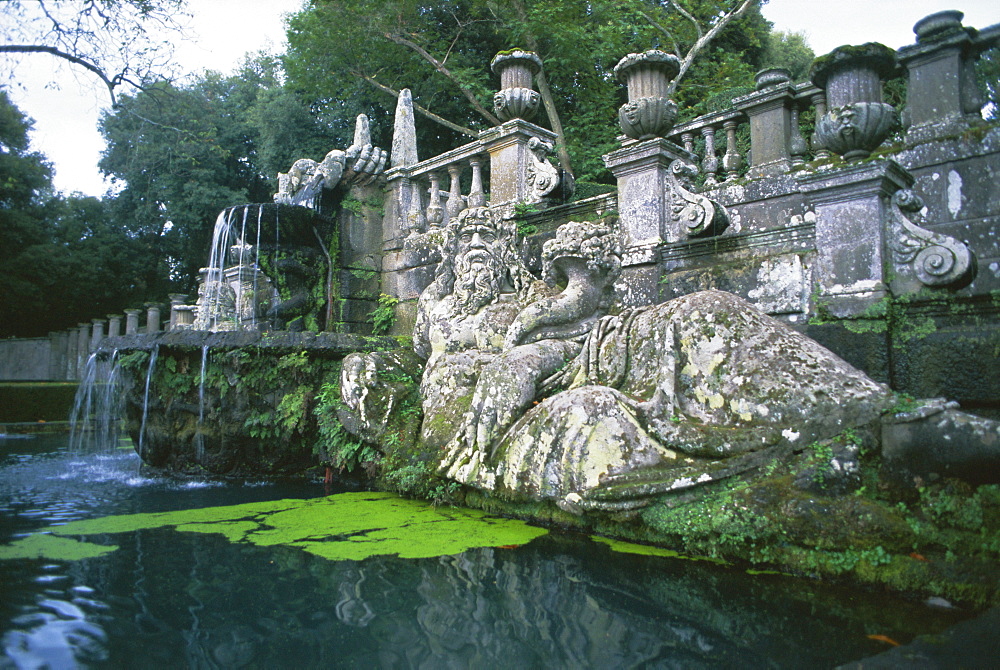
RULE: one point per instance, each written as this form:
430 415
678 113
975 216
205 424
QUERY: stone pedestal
97 333
510 158
114 325
942 97
182 317
176 299
82 347
132 321
769 111
852 208
72 354
152 317
642 170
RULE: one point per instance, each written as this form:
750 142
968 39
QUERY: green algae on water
347 526
647 550
53 548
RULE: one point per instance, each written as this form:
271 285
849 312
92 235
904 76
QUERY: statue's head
477 253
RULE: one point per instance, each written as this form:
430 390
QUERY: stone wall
25 359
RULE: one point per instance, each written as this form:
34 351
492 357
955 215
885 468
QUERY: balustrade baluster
416 220
732 161
687 139
477 197
435 213
819 102
455 204
797 146
710 164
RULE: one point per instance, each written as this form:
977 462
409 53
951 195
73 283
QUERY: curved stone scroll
934 259
542 176
696 215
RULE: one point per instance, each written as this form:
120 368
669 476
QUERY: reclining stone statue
535 392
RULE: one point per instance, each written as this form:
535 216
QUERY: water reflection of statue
541 394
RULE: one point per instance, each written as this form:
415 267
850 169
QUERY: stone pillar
152 317
769 110
852 208
132 321
642 170
114 325
97 333
510 158
57 356
402 156
72 354
176 299
942 97
82 348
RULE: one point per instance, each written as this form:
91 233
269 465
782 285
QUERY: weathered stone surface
535 395
306 180
404 134
941 441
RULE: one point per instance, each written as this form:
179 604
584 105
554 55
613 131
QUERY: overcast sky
223 31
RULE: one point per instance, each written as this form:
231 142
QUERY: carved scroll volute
934 259
543 177
696 215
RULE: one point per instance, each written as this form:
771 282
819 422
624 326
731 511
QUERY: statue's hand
332 168
364 163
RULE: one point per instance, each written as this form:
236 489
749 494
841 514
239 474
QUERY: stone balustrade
942 101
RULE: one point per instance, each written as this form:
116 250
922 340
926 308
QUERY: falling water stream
145 396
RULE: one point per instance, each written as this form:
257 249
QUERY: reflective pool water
167 598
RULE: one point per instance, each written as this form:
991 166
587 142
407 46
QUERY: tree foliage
789 50
366 51
181 154
62 260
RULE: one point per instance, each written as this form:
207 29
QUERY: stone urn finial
517 98
772 76
649 111
938 25
857 121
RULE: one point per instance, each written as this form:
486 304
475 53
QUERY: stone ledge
333 343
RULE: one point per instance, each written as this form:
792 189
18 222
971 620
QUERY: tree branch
667 33
704 39
439 66
76 60
426 112
687 15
